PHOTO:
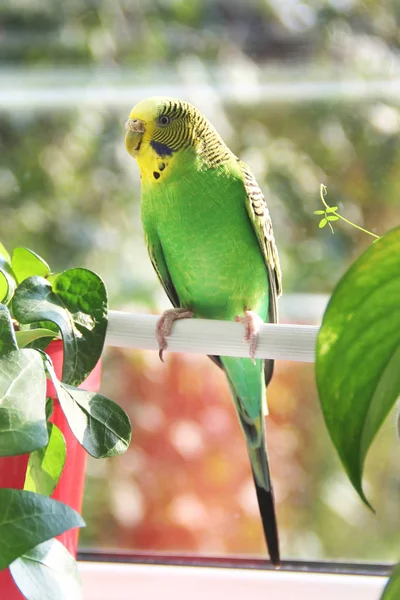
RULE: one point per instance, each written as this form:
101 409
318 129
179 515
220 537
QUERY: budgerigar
209 236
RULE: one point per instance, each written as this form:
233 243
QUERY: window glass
306 93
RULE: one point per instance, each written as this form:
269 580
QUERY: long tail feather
248 390
266 503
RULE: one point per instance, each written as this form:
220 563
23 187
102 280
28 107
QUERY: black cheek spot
156 175
161 166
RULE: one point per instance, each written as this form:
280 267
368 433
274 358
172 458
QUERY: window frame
121 577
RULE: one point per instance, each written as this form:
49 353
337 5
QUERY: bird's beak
134 133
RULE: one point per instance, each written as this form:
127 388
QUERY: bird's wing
258 212
157 258
259 216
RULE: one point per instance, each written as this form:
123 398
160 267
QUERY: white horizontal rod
220 338
21 93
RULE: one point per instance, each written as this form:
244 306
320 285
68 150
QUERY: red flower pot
70 487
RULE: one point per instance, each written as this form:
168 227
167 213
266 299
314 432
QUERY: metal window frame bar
232 562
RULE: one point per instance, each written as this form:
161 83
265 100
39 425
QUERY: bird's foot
164 326
252 323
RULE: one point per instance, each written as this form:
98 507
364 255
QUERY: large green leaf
47 572
8 342
358 353
7 278
34 301
28 519
23 426
26 263
99 425
45 465
77 304
392 588
85 297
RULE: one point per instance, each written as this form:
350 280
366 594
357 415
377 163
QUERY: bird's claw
164 326
252 323
160 353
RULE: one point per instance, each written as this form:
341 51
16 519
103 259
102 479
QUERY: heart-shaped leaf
35 301
47 572
77 304
7 278
99 425
28 519
358 353
46 464
85 297
26 263
23 425
8 342
392 588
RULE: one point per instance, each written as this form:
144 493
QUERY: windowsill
122 581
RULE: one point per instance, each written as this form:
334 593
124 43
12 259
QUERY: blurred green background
305 92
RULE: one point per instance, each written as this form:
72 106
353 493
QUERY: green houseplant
36 307
358 355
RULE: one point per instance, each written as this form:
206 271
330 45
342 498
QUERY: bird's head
159 128
167 124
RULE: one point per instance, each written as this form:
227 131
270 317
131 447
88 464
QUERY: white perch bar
222 338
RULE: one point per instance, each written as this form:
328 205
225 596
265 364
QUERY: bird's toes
164 326
252 323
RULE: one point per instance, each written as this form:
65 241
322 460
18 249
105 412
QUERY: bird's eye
164 120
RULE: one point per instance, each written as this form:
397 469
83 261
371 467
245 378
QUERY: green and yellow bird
209 236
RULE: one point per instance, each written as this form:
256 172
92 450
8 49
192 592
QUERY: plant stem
323 192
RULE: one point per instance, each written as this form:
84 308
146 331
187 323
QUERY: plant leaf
45 465
26 263
319 212
77 304
52 277
47 572
99 424
358 353
332 209
85 297
4 253
34 301
8 343
392 588
332 218
27 519
7 279
27 336
23 425
322 223
38 342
